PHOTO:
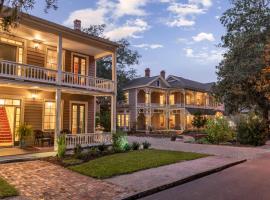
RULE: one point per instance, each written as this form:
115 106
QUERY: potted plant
23 132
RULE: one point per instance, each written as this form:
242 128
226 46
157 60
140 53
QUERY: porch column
57 116
59 59
114 96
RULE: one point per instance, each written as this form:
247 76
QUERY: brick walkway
38 180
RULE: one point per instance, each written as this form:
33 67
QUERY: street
249 181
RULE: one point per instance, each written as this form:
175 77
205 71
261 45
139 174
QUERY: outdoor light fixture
34 94
37 43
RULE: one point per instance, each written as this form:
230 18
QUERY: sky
178 36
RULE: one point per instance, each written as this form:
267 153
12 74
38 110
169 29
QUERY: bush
146 145
61 146
135 146
102 147
202 141
127 147
199 120
218 130
78 150
119 141
252 130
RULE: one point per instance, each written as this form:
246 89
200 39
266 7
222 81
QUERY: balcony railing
88 139
151 105
32 73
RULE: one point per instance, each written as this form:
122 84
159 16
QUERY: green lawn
7 190
124 163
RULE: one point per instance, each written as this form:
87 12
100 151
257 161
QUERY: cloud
149 46
204 36
130 7
185 41
204 55
130 29
87 16
205 3
111 12
184 14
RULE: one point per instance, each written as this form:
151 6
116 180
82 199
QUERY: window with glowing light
49 116
171 99
147 98
162 99
126 97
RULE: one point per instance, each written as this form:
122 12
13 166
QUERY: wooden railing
88 139
9 69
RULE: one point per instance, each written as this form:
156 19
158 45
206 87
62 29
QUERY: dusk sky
179 36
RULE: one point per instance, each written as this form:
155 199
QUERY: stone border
182 181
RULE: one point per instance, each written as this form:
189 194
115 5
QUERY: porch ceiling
51 39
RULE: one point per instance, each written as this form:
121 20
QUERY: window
162 120
126 97
162 99
49 116
123 120
158 83
51 59
188 99
172 102
147 98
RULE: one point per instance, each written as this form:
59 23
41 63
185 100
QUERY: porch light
34 94
37 43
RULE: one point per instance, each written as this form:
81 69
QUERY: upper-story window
171 99
188 99
158 83
126 95
52 59
11 50
147 98
162 99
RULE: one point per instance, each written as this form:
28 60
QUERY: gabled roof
180 82
144 81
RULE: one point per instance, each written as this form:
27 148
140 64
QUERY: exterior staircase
5 132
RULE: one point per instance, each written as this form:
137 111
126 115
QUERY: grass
7 190
124 163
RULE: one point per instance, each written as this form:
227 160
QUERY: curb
182 181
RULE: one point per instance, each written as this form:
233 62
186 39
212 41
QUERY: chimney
162 74
147 72
77 25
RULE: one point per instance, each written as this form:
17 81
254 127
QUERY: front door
78 119
79 69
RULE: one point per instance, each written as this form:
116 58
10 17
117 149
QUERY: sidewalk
156 179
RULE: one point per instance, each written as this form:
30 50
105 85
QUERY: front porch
45 110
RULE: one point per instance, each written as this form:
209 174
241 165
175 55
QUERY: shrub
135 146
23 132
78 150
102 147
119 141
61 146
218 130
199 120
203 141
252 130
146 145
127 147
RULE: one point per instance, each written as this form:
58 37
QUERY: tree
10 11
199 121
126 57
241 84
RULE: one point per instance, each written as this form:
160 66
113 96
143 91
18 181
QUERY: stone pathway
38 180
219 150
161 176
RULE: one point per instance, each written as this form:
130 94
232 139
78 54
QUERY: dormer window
158 83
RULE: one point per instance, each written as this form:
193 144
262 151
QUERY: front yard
123 163
7 190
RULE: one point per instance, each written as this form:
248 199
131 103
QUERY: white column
57 116
59 59
114 96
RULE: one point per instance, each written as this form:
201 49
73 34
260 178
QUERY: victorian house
160 103
48 81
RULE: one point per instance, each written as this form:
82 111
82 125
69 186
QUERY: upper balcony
42 53
34 74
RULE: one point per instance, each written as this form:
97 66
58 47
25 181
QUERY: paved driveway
249 181
219 150
42 180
